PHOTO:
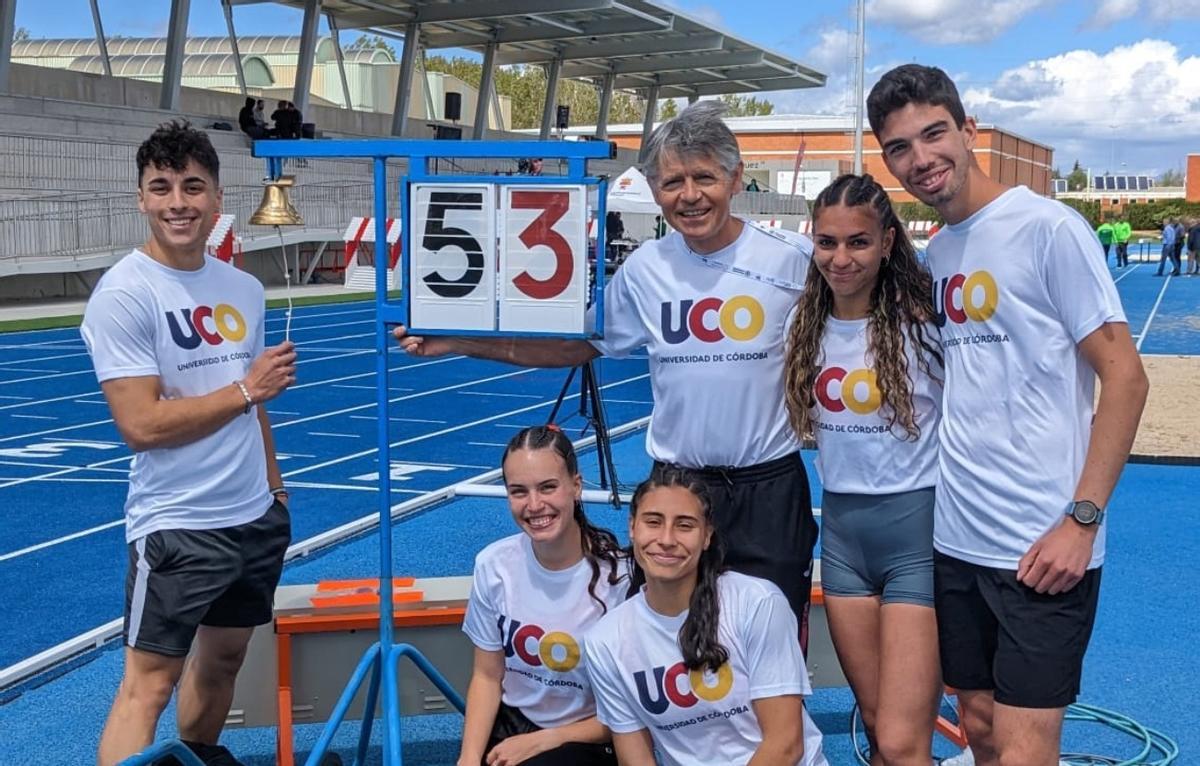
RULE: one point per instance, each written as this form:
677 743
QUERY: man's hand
520 748
415 345
272 372
1059 559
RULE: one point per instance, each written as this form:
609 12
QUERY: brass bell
276 209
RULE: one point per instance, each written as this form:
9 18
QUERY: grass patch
40 323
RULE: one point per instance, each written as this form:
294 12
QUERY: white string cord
287 279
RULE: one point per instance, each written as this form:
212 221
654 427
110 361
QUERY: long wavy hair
600 546
901 307
698 639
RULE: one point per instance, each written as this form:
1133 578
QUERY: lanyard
729 268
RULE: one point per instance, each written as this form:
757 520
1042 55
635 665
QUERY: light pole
858 88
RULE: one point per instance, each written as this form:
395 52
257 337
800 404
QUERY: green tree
1077 179
746 106
668 110
21 35
1171 178
370 42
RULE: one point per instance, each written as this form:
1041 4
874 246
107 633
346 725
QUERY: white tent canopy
630 193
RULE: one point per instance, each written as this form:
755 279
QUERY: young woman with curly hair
864 379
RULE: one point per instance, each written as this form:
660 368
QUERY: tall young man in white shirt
710 303
1030 318
177 341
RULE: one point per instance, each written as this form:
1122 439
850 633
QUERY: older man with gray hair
710 303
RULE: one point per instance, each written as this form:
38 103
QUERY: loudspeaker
562 117
452 110
447 133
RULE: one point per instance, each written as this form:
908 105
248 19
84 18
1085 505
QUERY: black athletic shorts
998 634
179 579
764 516
510 722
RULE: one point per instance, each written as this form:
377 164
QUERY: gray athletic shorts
180 579
878 545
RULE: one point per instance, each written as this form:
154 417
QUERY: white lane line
487 444
18 398
510 396
375 418
452 429
354 487
1153 311
57 480
90 401
1136 266
281 412
53 467
336 436
26 369
626 401
35 417
54 358
55 430
419 394
63 539
514 426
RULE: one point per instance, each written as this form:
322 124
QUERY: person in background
1104 233
1169 235
246 121
1193 246
1122 231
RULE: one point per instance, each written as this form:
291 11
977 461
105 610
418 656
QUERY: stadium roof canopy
640 44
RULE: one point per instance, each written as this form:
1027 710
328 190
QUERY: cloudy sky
1112 83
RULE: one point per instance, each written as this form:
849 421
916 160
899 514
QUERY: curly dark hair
600 546
901 307
913 84
698 639
172 144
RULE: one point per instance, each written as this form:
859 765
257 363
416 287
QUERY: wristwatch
1086 512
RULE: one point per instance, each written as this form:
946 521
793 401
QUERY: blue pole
368 720
373 656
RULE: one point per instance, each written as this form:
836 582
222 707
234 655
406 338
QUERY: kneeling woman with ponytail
701 664
534 596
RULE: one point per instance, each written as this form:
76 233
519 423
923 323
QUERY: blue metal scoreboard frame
378 667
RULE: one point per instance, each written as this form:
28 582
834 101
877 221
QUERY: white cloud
1133 96
1109 11
831 54
950 22
704 13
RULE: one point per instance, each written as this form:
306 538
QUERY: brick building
1192 174
769 146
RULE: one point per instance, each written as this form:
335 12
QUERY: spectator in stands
246 121
206 515
260 118
1106 233
281 119
753 185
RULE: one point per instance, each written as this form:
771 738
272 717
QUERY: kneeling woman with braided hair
701 664
534 596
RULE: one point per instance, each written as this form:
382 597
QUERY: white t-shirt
857 453
1020 283
700 718
716 343
538 617
198 331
